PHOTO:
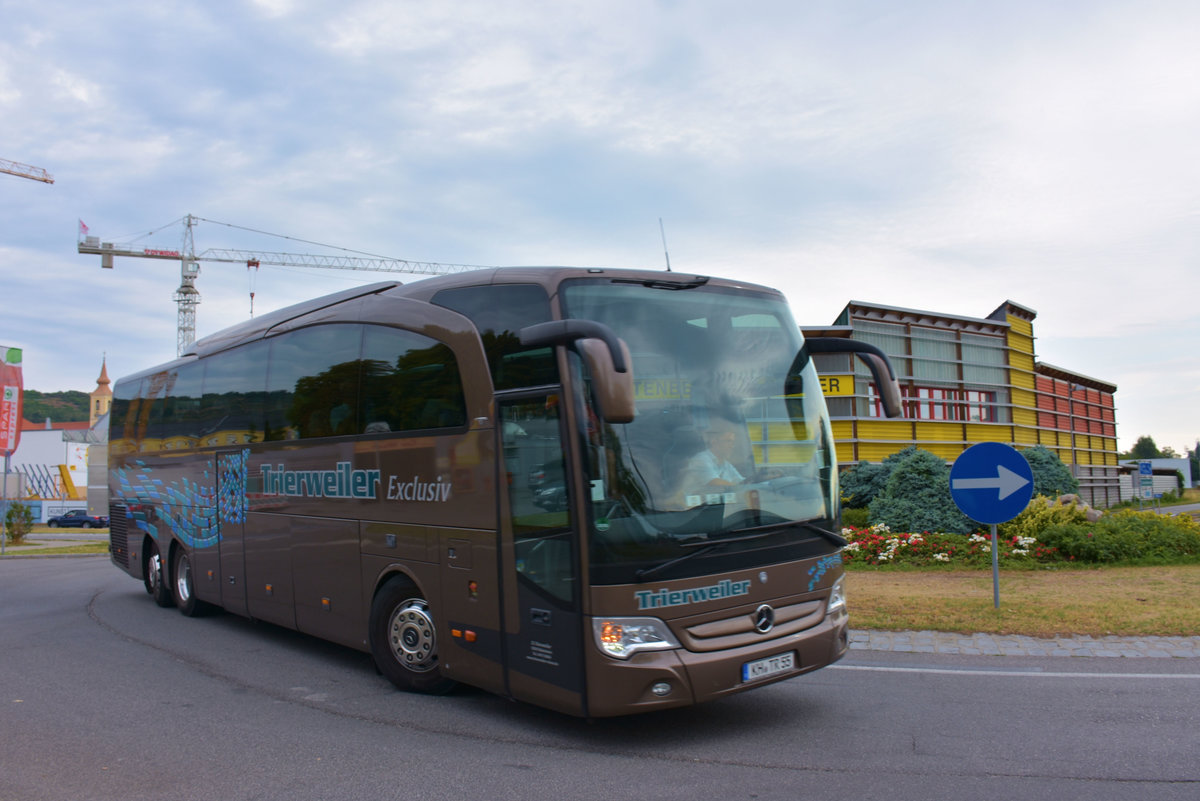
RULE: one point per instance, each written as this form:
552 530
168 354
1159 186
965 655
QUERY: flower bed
879 545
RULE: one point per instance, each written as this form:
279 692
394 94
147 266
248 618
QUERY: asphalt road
105 696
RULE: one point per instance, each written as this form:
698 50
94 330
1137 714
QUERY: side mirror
613 388
606 355
875 359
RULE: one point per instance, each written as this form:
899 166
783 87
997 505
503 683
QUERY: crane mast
187 297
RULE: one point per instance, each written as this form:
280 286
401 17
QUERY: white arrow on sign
1006 481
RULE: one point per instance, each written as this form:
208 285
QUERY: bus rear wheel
183 588
404 639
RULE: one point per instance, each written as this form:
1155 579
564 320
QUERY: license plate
760 668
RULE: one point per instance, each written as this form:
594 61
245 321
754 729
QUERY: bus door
542 620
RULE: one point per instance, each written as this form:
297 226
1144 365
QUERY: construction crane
187 297
25 171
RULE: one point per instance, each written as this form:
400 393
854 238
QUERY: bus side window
234 394
499 312
176 422
409 382
312 382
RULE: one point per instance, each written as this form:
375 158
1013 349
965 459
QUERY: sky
943 156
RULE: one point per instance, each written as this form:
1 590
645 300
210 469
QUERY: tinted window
176 420
234 401
499 312
122 417
312 383
409 381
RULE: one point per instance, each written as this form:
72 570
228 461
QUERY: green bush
1041 535
862 483
1040 514
917 497
18 521
1127 536
856 518
1050 476
1090 543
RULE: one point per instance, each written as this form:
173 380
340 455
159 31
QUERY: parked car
77 518
546 474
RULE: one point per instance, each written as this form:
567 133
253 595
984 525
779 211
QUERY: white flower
942 557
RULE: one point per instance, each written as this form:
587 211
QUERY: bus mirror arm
607 357
562 332
875 359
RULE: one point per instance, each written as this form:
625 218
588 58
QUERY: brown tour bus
598 491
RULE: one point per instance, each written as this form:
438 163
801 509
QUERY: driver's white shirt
704 467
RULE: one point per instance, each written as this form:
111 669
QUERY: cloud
928 155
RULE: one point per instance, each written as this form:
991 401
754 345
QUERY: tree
18 521
1050 476
917 497
864 482
1144 448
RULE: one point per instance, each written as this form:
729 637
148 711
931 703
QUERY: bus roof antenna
663 231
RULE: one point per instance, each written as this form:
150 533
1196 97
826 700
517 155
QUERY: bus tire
404 639
154 577
183 586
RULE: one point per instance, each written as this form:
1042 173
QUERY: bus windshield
729 461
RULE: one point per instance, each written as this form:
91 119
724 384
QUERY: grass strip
1124 601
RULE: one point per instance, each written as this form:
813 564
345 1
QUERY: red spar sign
10 399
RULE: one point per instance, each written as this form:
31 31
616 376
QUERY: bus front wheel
404 639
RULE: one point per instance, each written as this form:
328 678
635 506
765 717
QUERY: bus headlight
837 598
623 637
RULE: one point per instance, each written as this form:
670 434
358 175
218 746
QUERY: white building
53 459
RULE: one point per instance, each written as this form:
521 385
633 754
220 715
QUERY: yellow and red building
966 380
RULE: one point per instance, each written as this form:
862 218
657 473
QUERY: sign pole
4 508
995 569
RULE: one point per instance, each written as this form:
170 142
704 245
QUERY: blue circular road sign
991 482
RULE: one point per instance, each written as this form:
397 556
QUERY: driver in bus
710 469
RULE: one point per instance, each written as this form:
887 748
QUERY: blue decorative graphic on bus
818 571
231 488
189 511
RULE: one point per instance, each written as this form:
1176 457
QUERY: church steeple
101 397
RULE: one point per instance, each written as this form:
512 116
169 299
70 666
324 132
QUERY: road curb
941 642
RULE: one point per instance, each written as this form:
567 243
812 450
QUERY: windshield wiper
661 283
701 547
698 547
833 537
